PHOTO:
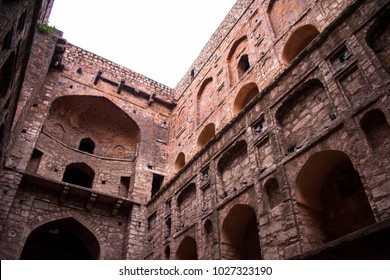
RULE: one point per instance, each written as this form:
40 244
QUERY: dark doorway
65 239
79 174
87 145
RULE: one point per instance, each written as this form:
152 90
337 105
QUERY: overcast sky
157 38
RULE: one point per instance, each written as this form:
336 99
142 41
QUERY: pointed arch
187 249
283 14
239 234
298 41
334 200
376 127
235 46
82 116
87 145
244 96
205 135
63 239
238 60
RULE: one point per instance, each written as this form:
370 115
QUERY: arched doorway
332 197
64 239
79 174
240 238
187 249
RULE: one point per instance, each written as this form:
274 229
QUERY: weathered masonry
274 145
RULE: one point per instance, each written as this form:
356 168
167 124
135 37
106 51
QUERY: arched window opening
244 96
118 130
375 127
79 174
273 192
187 249
180 161
333 201
239 236
378 38
243 65
87 145
205 136
298 41
65 239
6 75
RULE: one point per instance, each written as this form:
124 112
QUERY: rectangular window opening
156 183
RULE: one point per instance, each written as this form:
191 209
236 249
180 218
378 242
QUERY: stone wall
277 138
317 103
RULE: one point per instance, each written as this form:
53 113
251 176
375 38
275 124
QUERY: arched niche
79 174
333 197
238 60
298 41
375 127
187 204
205 135
64 239
181 120
378 37
205 99
239 234
272 190
187 249
244 96
233 170
97 117
304 114
180 161
283 14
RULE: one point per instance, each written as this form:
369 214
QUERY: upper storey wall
219 35
253 46
76 57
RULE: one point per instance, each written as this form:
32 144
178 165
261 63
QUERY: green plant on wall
45 28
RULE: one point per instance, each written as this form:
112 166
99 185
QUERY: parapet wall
76 57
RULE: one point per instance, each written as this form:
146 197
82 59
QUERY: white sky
156 38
